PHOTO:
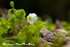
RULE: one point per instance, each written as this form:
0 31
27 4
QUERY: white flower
31 18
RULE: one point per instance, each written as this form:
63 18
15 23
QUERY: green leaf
12 20
32 28
2 30
21 37
2 21
20 13
11 11
12 4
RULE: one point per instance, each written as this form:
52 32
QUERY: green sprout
12 4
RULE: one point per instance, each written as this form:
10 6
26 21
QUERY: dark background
56 9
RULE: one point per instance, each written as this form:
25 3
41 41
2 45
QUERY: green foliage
2 21
20 13
17 30
57 40
32 28
2 30
12 4
12 19
10 11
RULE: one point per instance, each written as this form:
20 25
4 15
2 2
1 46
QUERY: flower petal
31 22
32 14
34 18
